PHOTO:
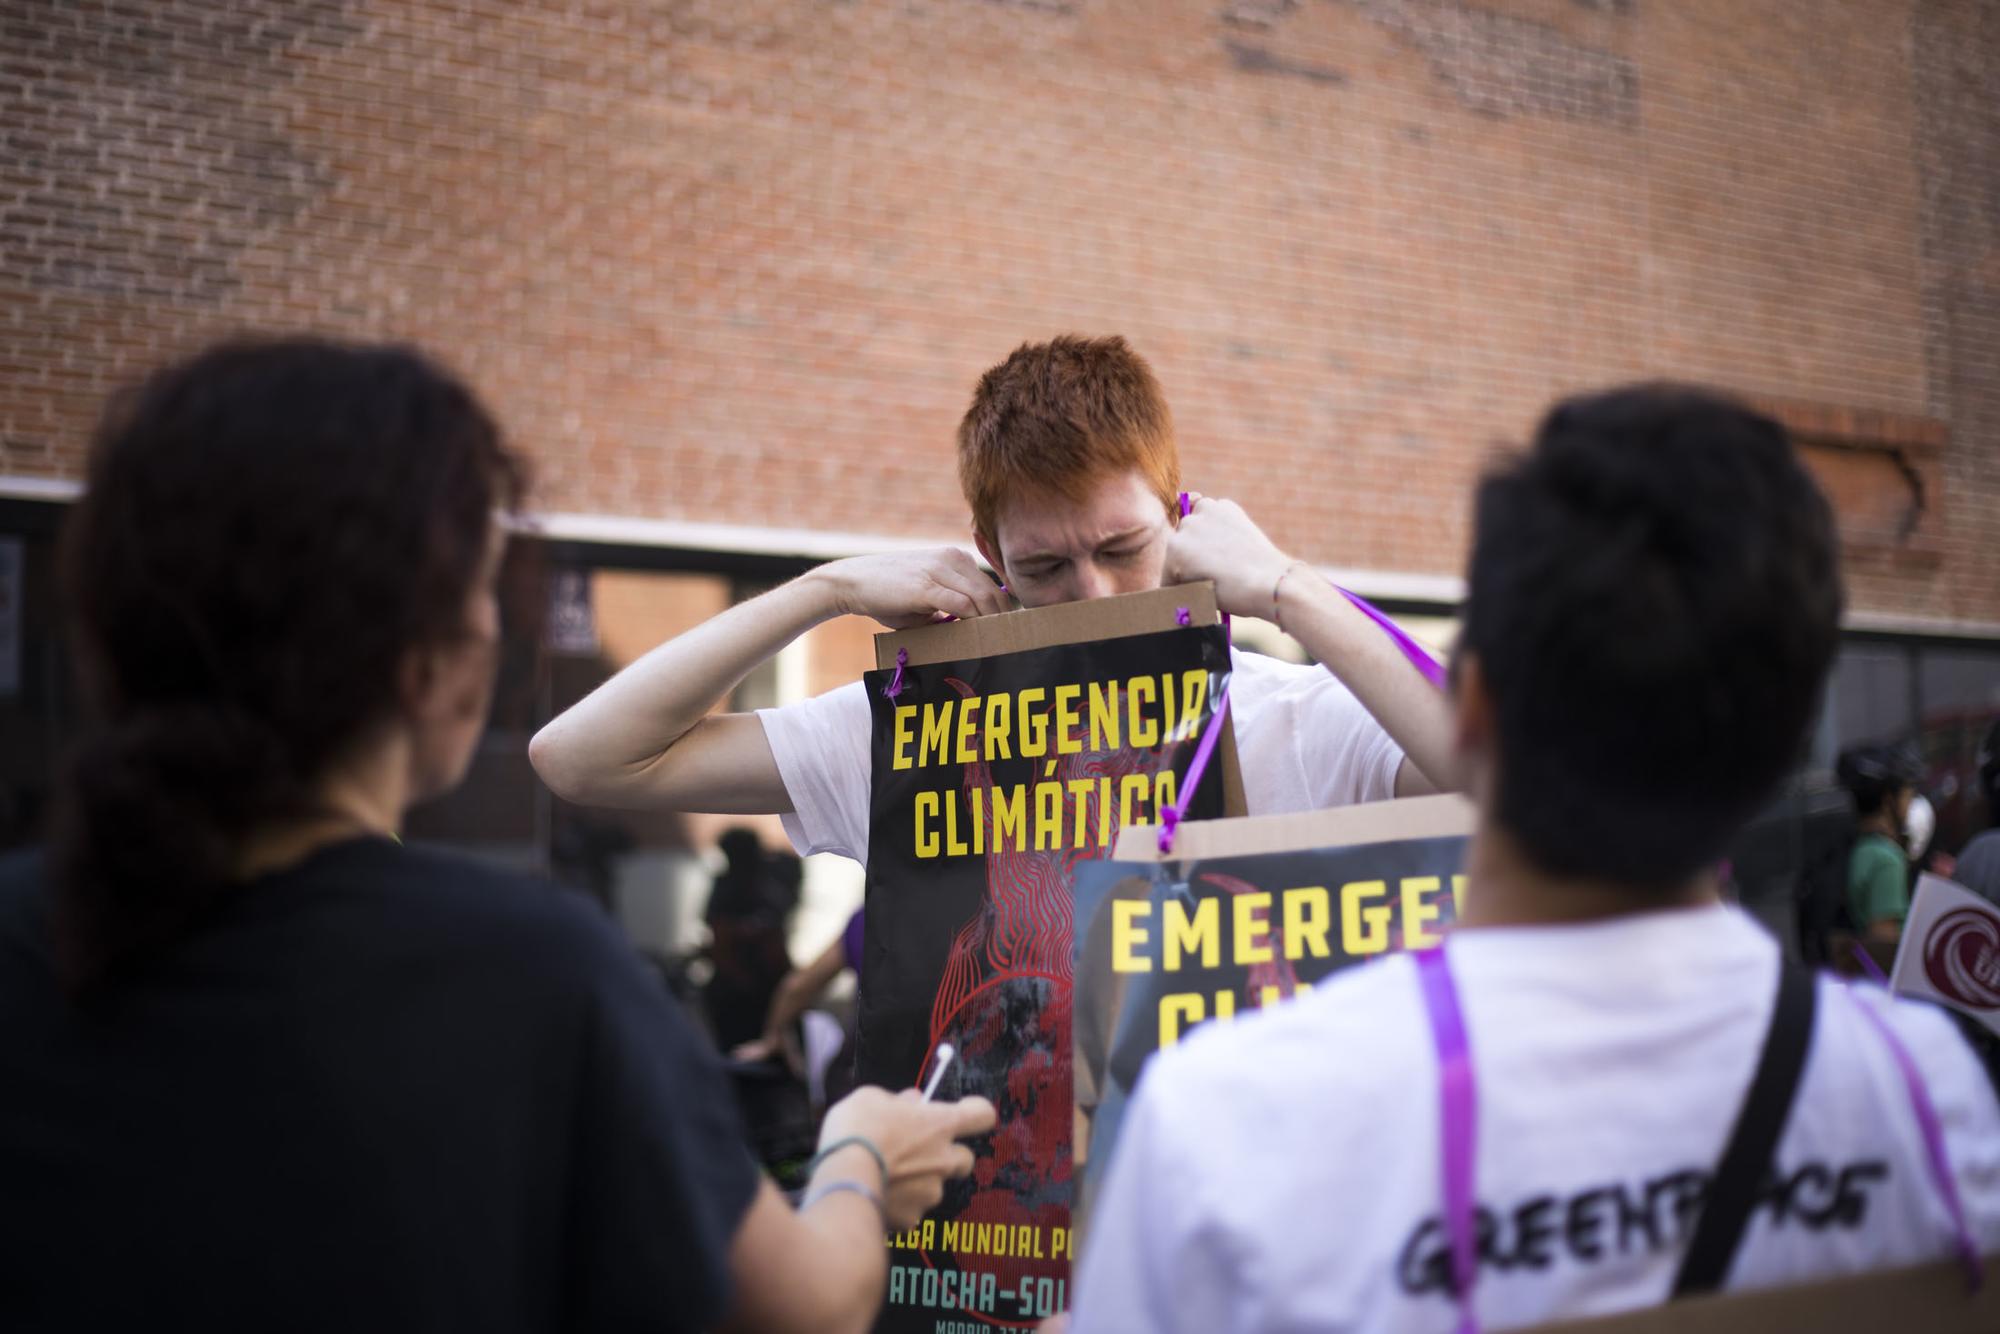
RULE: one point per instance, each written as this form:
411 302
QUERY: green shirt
1878 888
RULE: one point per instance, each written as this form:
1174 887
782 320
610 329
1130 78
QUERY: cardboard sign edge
1443 816
1929 1297
1047 627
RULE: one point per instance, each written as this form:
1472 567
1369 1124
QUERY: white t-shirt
1282 1172
1304 740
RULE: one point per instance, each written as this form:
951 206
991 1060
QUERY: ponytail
148 824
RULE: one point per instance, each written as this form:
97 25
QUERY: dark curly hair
267 530
1654 603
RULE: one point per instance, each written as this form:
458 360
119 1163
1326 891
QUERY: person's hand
918 1140
757 1049
1218 542
906 588
773 1047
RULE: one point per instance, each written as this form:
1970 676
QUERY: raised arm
1217 541
646 738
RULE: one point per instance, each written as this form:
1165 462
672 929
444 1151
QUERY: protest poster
1008 751
1241 914
1950 950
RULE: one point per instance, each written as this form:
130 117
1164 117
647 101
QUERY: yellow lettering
979 822
1363 930
1034 726
1104 719
1079 795
1306 912
1419 912
954 846
1048 816
1194 695
1145 731
1129 936
1069 741
1163 791
1252 920
927 842
935 747
968 724
1177 1012
1126 786
1104 812
906 717
1010 816
1457 895
999 709
1182 934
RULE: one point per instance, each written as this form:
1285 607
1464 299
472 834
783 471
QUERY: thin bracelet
1276 619
852 1188
849 1142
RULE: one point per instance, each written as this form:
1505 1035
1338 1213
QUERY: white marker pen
944 1055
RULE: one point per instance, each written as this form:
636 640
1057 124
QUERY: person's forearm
800 988
1414 713
807 1271
847 1233
611 737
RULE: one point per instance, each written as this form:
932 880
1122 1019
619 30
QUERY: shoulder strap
1725 1214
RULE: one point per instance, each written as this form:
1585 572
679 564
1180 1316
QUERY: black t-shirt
385 1090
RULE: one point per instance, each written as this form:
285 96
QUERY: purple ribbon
1418 655
1933 1132
895 686
1458 1120
1182 617
1869 966
1171 817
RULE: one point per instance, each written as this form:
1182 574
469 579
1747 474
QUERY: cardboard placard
1071 623
1950 951
1014 750
1243 913
1932 1298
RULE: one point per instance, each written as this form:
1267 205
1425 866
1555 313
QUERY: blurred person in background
1978 867
749 914
798 992
1881 782
262 1066
1530 1121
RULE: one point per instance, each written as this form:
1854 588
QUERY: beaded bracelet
817 1194
851 1141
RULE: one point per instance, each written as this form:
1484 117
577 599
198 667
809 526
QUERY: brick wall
740 261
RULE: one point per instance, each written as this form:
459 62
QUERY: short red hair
1065 414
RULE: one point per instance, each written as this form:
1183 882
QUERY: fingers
959 572
955 601
973 1116
961 1161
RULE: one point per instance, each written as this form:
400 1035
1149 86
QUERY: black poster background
977 950
1117 1015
